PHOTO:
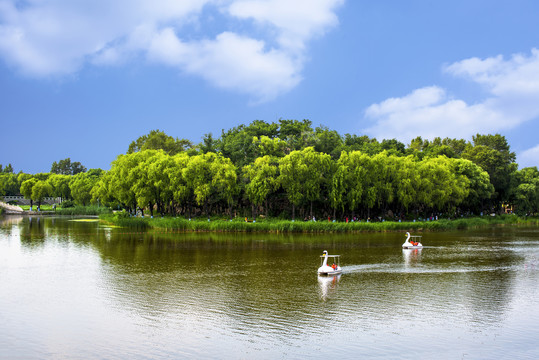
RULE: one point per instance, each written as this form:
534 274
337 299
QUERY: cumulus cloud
529 157
512 86
59 37
295 21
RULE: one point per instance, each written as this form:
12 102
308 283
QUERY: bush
67 204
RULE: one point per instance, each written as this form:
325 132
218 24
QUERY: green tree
349 181
273 147
26 188
327 141
7 170
140 181
158 140
526 193
60 185
407 182
81 188
492 154
262 180
9 185
237 143
297 134
224 181
101 191
480 189
303 174
208 144
40 190
393 147
440 188
181 192
210 174
66 167
361 143
121 179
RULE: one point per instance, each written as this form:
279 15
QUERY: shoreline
289 226
169 224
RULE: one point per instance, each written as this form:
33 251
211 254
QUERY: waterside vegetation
169 224
290 171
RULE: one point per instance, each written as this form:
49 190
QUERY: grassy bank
84 210
287 226
74 210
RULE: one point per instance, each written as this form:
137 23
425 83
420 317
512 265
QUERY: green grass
83 210
44 207
76 210
288 226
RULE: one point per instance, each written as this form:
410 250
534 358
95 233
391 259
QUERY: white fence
21 200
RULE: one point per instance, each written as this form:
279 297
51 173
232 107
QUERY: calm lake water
79 290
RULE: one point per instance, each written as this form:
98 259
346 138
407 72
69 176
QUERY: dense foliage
66 167
287 169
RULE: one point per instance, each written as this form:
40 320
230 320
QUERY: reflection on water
412 257
328 285
81 289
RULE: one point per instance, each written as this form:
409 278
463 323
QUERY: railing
21 200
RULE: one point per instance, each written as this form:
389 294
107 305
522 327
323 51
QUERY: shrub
67 204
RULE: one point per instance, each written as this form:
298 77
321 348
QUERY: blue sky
82 79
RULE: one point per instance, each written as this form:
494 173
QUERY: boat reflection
411 256
328 285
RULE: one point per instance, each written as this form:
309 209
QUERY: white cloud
529 157
59 37
296 21
265 73
512 85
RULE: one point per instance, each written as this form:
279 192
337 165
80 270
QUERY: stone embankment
11 209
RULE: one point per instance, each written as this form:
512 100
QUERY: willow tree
224 180
40 190
383 175
180 191
159 179
440 188
303 173
349 180
81 188
210 174
60 185
262 180
407 181
120 180
26 188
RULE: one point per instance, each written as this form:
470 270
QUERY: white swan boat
333 269
411 242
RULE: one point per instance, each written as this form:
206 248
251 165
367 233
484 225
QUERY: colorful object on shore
326 269
411 242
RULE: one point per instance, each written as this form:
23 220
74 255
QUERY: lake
74 289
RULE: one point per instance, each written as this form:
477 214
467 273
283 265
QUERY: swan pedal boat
328 270
411 242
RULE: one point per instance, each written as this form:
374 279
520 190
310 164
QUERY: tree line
287 169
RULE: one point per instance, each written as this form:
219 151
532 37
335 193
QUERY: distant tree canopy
288 166
66 167
6 170
158 140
